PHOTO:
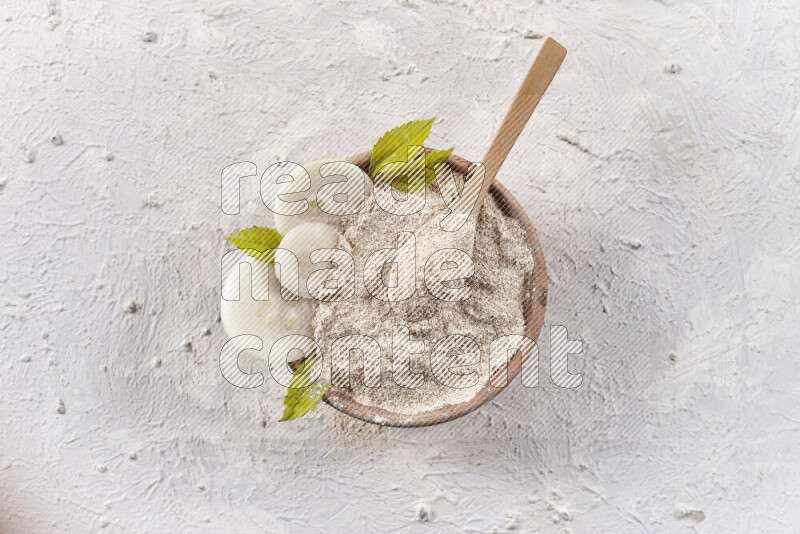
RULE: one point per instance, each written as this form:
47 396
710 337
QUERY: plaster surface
661 171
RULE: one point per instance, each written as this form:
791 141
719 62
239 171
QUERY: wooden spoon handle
534 85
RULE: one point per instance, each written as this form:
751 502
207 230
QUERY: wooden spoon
465 206
528 95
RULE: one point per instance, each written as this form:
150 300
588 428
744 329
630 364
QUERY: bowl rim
534 319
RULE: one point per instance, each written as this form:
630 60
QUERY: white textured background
661 171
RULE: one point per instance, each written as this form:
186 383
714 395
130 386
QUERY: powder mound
503 265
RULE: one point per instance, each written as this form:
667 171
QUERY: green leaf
437 156
302 397
258 242
407 166
413 172
410 133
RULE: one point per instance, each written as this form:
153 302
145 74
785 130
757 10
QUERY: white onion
269 319
291 191
301 241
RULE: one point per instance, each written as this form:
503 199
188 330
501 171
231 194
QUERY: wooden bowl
534 318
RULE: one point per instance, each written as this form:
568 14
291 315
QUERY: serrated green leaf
413 172
302 397
407 167
410 133
258 242
437 156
